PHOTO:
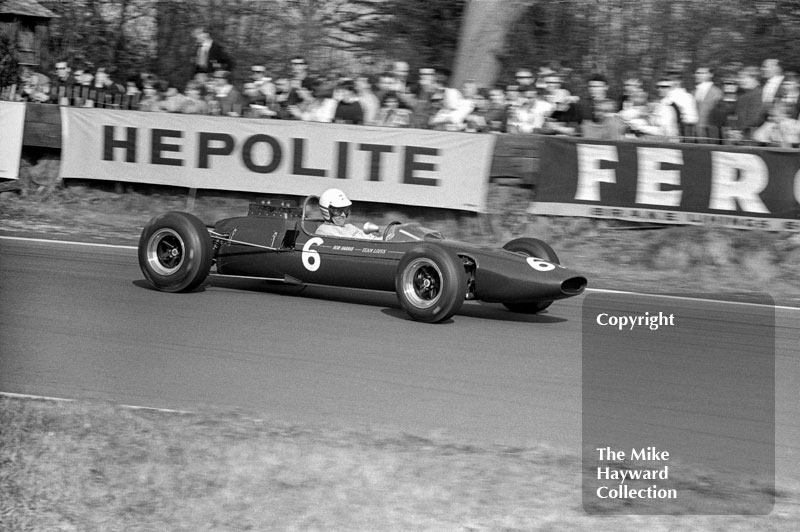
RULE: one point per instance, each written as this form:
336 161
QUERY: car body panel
278 243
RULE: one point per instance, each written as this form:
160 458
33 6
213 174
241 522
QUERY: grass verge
77 466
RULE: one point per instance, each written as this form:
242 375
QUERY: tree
421 32
9 67
651 36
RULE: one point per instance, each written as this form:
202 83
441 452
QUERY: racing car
431 275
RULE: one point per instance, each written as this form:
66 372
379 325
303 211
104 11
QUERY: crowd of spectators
738 105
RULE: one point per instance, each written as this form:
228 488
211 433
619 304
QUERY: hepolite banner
749 188
402 166
12 125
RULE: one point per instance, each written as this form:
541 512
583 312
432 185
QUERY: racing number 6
311 256
540 265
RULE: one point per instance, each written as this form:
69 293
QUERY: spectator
531 115
779 129
283 91
152 95
552 68
300 76
400 73
393 112
597 110
635 114
525 80
469 89
427 101
685 106
108 93
61 86
258 94
348 108
662 123
708 97
83 90
553 91
35 86
790 94
210 56
370 104
298 101
632 89
132 93
319 104
513 98
476 120
772 73
453 113
173 100
565 117
496 114
148 80
226 98
726 110
386 83
749 106
253 103
193 102
263 85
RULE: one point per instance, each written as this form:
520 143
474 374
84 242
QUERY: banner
386 165
12 125
729 186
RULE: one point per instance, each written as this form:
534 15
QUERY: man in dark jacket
210 56
750 112
61 85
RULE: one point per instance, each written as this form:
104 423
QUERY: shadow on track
388 300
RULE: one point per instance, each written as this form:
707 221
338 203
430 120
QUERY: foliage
421 32
9 67
109 33
610 36
649 36
344 35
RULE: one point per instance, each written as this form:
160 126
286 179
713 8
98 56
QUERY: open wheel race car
432 276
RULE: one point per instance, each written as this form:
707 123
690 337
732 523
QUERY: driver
335 208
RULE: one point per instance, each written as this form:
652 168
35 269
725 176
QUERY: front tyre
430 283
175 252
531 247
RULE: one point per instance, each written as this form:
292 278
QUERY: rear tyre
175 252
430 283
531 247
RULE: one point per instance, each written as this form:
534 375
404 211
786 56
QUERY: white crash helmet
333 197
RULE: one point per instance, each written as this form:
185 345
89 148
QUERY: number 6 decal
540 265
311 256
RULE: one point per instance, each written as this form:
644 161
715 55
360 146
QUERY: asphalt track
78 321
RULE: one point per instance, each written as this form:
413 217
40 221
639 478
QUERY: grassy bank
68 466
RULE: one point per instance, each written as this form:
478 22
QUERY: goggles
339 211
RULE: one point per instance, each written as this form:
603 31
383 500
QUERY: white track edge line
687 298
69 242
12 395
